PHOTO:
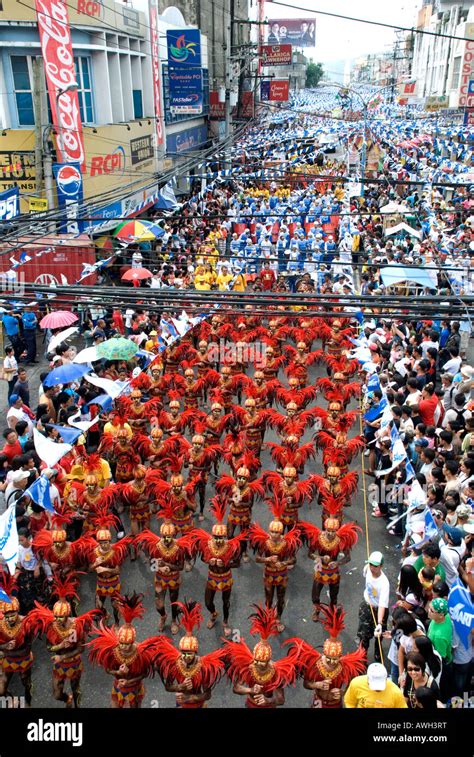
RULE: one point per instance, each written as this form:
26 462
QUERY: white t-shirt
452 366
450 559
128 318
413 398
377 590
10 363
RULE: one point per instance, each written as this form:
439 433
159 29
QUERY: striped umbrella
138 231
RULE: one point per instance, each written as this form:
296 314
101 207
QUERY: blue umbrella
65 374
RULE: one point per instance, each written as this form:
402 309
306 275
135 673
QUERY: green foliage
314 72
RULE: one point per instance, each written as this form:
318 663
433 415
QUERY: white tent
394 207
402 227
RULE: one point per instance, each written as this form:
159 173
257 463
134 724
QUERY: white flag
109 387
81 425
48 451
9 538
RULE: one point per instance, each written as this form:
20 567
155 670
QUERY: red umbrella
136 274
58 320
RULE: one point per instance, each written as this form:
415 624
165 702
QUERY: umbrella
61 337
65 374
138 231
105 243
58 320
88 355
134 274
117 348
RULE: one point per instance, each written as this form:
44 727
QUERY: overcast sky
338 39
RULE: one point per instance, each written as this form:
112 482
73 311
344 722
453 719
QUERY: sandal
227 631
212 621
280 626
162 623
245 557
174 628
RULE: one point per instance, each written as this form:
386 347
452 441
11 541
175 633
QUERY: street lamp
72 87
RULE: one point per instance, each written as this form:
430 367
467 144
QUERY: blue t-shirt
11 325
29 320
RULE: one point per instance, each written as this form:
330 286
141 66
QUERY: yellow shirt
201 282
109 428
210 278
240 283
360 696
222 281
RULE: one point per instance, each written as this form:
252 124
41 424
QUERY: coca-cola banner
155 62
56 46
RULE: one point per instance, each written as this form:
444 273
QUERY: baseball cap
20 475
153 333
421 442
467 371
455 534
375 558
99 332
14 398
464 511
49 472
377 676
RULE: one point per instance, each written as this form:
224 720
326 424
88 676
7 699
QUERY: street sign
276 55
470 88
37 204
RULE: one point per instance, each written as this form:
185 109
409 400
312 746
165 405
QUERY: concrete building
443 67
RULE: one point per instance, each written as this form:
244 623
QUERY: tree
314 72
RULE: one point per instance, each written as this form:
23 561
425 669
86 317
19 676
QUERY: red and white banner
279 90
155 62
276 55
56 47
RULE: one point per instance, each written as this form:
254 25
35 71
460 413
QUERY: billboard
216 107
56 48
299 32
69 189
276 55
436 102
466 99
184 71
189 139
275 90
186 90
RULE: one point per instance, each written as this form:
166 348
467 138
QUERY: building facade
442 67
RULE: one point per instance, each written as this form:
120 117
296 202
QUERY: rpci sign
114 162
92 8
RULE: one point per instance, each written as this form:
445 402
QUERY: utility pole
38 126
227 53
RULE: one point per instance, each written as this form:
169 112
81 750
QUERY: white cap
377 676
19 475
49 472
375 558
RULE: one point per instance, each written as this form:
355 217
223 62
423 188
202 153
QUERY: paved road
248 588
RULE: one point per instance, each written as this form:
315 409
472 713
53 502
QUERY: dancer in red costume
255 674
185 673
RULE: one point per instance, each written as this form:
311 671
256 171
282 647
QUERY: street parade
237 468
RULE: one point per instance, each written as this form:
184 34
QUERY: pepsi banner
69 190
9 204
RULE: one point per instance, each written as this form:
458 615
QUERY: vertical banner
69 189
9 204
265 90
155 62
185 71
56 47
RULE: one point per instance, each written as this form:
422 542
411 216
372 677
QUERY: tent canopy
395 274
402 227
395 207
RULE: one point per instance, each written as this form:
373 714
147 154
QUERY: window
456 72
84 92
22 88
137 103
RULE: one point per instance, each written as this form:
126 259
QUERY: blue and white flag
461 610
410 471
68 435
431 529
40 493
9 538
373 383
376 411
4 597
